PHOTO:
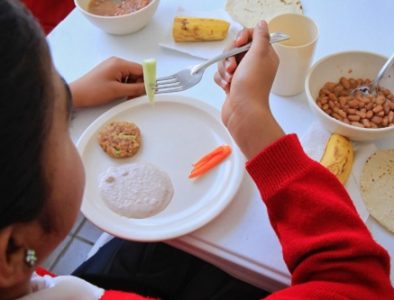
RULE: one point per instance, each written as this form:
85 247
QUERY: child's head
41 173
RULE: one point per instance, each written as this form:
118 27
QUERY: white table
240 240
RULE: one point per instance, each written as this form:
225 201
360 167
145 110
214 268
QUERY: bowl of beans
118 17
330 88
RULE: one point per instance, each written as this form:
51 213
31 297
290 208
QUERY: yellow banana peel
191 29
338 157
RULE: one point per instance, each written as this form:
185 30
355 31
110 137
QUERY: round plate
176 131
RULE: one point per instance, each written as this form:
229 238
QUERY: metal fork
189 77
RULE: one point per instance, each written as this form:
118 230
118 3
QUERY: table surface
240 240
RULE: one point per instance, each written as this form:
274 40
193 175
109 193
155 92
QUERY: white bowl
350 64
123 24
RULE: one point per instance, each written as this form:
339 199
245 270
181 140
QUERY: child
42 181
328 249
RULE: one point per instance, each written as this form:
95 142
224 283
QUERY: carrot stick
200 163
210 163
207 166
211 154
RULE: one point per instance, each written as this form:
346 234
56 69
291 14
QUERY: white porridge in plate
137 190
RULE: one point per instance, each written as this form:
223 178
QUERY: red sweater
326 246
49 12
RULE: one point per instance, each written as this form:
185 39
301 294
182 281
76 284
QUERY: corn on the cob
190 29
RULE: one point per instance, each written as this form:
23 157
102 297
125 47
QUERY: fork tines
168 84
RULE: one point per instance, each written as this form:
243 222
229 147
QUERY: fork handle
274 37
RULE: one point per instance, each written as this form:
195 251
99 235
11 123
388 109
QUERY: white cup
295 54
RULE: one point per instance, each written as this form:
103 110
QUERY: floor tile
49 262
75 254
77 224
89 232
101 241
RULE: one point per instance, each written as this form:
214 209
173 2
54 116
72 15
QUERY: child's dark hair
25 114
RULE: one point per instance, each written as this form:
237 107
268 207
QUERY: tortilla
377 187
249 12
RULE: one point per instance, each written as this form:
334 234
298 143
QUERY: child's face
63 167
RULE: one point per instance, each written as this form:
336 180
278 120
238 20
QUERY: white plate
205 50
176 132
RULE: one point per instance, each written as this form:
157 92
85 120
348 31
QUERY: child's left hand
106 82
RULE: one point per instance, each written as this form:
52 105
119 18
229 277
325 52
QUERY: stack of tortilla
377 187
249 12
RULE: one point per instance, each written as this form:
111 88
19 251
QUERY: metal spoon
371 88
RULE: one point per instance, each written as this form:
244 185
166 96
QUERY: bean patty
120 139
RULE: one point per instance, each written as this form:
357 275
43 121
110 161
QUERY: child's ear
13 269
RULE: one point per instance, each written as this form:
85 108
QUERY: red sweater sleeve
326 246
117 295
49 12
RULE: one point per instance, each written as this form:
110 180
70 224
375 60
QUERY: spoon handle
383 70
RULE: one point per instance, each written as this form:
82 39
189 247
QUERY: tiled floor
74 249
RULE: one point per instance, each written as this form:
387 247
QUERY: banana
338 157
190 29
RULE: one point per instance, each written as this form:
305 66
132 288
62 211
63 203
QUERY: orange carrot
213 160
198 165
211 154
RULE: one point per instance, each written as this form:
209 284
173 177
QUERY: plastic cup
295 54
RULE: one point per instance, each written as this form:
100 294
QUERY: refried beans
115 8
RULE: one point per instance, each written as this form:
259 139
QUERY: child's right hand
247 82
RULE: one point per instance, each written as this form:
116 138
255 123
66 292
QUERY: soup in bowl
118 16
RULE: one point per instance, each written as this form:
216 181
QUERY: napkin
204 50
314 142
